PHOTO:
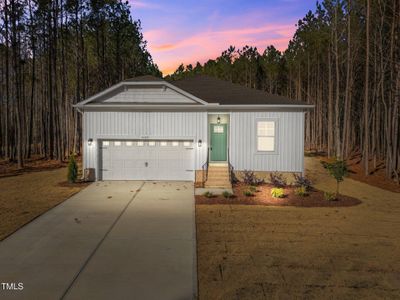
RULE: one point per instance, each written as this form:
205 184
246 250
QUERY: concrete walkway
121 240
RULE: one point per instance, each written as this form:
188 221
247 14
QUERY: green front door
218 142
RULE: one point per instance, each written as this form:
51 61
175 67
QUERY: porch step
216 185
218 176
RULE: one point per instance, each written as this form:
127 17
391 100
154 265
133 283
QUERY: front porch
216 170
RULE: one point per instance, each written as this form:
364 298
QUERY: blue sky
190 31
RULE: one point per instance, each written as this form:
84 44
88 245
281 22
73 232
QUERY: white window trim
276 136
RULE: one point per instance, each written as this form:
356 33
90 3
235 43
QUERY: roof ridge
146 77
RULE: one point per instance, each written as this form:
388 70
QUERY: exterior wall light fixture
199 143
90 142
218 120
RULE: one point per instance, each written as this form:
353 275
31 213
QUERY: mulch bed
262 196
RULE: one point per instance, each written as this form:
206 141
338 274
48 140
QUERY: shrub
208 194
72 175
253 188
251 179
302 181
338 170
248 193
330 196
234 179
277 180
301 191
227 194
277 193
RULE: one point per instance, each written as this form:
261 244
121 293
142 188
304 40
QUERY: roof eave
195 107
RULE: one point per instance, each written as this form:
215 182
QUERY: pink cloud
170 49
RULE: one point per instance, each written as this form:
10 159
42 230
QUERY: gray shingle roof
213 90
144 78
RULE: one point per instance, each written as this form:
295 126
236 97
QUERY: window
163 143
129 144
187 144
266 136
218 129
117 144
175 144
106 143
140 143
152 143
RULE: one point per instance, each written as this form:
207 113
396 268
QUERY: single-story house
147 128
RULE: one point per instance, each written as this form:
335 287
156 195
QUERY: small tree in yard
338 170
72 169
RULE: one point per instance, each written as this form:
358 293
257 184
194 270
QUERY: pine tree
72 169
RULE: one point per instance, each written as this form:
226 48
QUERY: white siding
143 125
149 95
290 141
289 156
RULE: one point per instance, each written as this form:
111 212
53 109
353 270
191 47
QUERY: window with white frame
266 139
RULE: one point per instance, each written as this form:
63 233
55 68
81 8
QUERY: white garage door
147 160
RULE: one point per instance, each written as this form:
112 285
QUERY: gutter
209 107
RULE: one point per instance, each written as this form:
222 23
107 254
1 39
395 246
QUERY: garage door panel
147 161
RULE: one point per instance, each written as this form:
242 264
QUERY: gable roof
213 90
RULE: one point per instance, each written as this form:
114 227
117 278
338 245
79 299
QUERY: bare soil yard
264 252
24 196
376 176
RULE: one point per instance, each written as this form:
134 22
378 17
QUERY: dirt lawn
264 252
26 196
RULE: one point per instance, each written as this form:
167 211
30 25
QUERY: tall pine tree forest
345 59
53 54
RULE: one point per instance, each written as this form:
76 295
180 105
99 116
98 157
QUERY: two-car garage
146 160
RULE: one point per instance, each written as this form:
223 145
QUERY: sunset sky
187 31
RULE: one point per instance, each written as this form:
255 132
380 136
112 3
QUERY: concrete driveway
120 240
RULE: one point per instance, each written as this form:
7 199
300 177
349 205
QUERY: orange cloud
163 47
